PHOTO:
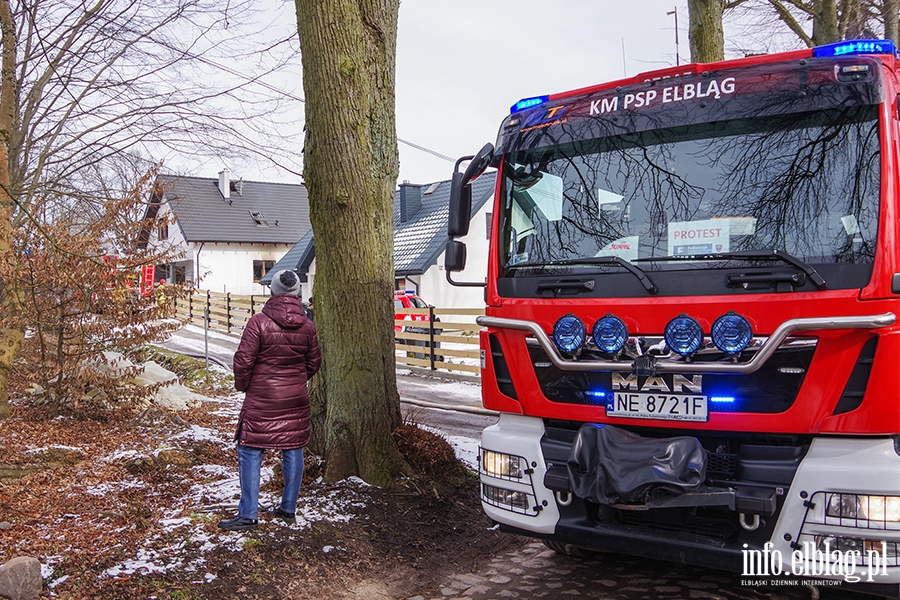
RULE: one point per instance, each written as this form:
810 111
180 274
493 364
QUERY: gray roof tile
205 216
418 242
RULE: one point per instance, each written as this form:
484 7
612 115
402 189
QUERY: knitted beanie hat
285 282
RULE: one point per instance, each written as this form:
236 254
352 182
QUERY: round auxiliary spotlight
731 333
610 334
569 333
683 335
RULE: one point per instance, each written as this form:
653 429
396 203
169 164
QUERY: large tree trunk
350 169
706 35
11 333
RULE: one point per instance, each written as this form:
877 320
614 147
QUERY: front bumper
716 537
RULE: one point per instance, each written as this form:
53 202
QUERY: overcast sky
462 63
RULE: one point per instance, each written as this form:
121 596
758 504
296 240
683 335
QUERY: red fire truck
690 328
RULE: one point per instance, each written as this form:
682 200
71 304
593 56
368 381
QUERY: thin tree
85 82
835 20
890 16
350 169
85 297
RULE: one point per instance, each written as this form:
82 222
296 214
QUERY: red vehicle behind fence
690 329
408 299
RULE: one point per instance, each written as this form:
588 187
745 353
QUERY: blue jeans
249 464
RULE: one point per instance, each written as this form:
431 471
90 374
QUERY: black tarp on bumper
608 465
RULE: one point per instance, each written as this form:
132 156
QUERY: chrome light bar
674 366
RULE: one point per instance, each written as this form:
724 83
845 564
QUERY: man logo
680 383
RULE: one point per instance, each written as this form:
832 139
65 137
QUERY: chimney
225 183
410 201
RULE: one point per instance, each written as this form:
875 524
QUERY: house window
488 218
162 232
260 268
258 217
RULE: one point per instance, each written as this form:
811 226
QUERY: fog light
610 334
509 498
832 543
887 550
569 333
731 333
683 335
501 465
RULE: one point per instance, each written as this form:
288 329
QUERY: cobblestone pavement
533 571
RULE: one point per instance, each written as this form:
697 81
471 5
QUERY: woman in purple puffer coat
278 353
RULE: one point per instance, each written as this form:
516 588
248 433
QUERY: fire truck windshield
805 184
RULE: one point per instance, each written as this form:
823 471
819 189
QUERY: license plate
671 407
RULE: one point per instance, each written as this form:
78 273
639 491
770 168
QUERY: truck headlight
499 464
871 508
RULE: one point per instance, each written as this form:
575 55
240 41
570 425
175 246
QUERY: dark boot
277 513
237 524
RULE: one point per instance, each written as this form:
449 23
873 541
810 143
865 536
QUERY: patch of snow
204 434
114 487
213 334
53 447
119 455
357 481
466 450
171 524
146 562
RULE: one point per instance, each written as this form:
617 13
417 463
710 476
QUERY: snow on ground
216 490
215 495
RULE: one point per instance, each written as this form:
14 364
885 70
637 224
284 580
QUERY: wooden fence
448 348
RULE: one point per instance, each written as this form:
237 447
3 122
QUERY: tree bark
890 11
11 333
706 35
825 23
350 170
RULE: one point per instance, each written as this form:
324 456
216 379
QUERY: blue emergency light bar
527 103
851 47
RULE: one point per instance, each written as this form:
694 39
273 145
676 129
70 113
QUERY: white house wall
175 239
435 289
228 268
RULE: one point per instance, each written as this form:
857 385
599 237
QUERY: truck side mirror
461 192
460 207
455 256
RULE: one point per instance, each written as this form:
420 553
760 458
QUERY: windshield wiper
610 260
767 254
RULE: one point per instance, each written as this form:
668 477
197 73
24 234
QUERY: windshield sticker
608 200
851 225
675 93
740 225
626 247
544 118
518 259
689 238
